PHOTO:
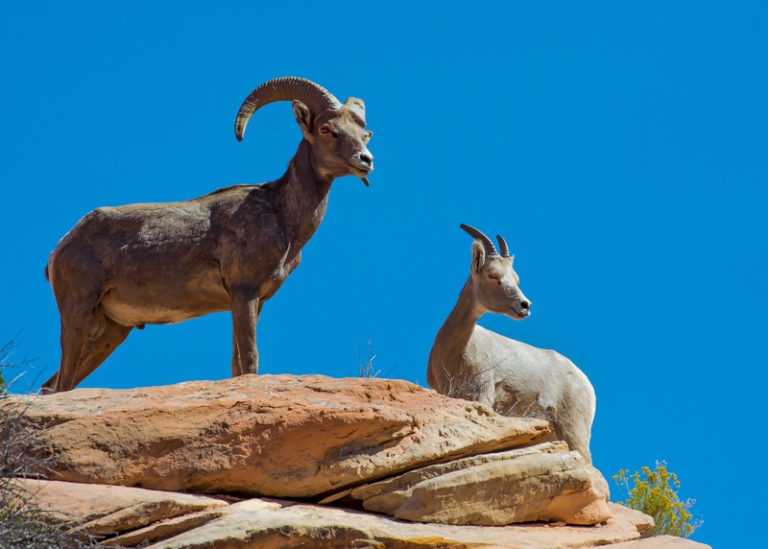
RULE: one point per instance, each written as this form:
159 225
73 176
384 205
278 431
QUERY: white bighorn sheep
471 362
123 267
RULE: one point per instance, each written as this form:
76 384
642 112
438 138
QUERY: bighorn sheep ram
469 361
123 267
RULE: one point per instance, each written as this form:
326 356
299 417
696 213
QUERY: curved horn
503 246
490 249
288 88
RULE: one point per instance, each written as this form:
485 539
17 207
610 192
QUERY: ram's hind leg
49 386
87 339
107 337
78 322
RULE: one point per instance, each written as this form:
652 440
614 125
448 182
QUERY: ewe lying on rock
471 362
231 250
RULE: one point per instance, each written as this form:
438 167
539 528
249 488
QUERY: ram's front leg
236 371
245 306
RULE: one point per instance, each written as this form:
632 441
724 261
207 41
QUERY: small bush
23 525
655 494
5 354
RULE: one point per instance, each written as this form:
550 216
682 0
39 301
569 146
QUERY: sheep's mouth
518 314
361 171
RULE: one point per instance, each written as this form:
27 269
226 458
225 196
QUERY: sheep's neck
455 332
303 197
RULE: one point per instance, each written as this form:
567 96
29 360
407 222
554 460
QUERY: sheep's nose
525 304
366 158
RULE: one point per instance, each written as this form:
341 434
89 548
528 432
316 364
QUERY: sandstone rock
273 435
110 509
275 523
168 528
249 525
163 529
540 483
661 542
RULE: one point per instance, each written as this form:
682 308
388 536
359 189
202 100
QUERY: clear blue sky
619 147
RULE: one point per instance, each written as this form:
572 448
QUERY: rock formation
542 482
278 436
131 467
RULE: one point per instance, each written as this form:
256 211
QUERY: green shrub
655 494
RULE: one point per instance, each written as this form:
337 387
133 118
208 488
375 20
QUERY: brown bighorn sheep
514 378
124 267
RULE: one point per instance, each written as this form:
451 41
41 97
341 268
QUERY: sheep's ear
303 116
356 106
478 257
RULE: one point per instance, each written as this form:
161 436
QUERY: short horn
288 88
490 249
503 246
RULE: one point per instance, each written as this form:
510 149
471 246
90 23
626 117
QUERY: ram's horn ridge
288 88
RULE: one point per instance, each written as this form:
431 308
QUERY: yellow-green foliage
655 493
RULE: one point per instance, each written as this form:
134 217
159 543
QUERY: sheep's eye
493 276
325 129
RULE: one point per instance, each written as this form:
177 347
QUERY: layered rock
259 523
107 510
443 465
250 525
660 542
280 436
540 483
